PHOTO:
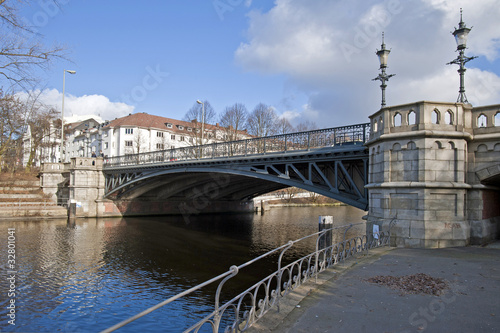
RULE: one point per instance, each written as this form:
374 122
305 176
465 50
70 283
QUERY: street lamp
383 54
87 144
62 112
202 119
461 38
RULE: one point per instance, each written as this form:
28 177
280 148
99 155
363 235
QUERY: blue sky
309 59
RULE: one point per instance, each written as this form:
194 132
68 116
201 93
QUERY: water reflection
95 273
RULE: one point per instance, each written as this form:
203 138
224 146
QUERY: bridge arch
224 184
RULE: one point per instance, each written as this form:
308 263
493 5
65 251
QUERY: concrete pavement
345 302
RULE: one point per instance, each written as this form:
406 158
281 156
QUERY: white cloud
290 115
84 107
327 50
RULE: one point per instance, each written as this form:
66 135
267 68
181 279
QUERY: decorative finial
461 24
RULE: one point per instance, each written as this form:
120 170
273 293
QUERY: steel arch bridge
332 162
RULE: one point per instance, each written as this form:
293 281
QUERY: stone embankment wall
24 199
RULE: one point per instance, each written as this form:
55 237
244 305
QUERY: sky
311 60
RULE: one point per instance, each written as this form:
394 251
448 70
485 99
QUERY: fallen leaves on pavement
412 284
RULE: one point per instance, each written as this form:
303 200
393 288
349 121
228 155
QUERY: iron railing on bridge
300 141
243 310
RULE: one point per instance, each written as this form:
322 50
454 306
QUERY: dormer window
181 127
190 129
169 125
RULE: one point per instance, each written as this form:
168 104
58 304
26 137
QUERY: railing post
286 143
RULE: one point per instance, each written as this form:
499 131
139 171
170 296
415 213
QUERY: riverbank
267 202
347 300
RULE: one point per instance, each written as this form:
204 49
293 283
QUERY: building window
169 125
172 137
482 121
160 146
181 138
105 145
435 117
159 134
129 131
129 143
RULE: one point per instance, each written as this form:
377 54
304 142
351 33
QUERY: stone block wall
86 185
420 170
54 181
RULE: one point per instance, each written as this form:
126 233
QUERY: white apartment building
142 132
135 133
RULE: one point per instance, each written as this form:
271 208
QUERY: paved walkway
346 302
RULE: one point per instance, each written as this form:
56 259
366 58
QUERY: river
95 273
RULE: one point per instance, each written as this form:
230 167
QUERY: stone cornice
486 137
444 185
423 133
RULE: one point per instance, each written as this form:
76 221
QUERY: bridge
434 167
332 162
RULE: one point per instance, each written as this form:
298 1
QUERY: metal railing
243 310
300 141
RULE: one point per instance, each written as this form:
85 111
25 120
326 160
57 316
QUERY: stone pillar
418 155
54 181
86 185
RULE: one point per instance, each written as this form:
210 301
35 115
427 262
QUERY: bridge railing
239 313
300 141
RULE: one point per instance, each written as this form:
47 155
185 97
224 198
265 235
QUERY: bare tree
288 194
306 126
41 132
262 121
233 120
11 124
199 123
20 50
283 126
313 197
139 141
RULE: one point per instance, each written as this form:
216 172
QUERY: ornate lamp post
62 114
461 38
383 54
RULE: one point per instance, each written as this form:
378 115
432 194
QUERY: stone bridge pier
435 173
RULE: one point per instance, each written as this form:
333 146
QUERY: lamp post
99 132
62 113
87 144
383 54
202 120
461 38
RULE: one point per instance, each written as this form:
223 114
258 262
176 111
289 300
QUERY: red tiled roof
150 121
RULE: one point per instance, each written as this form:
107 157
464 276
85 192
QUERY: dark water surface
98 272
